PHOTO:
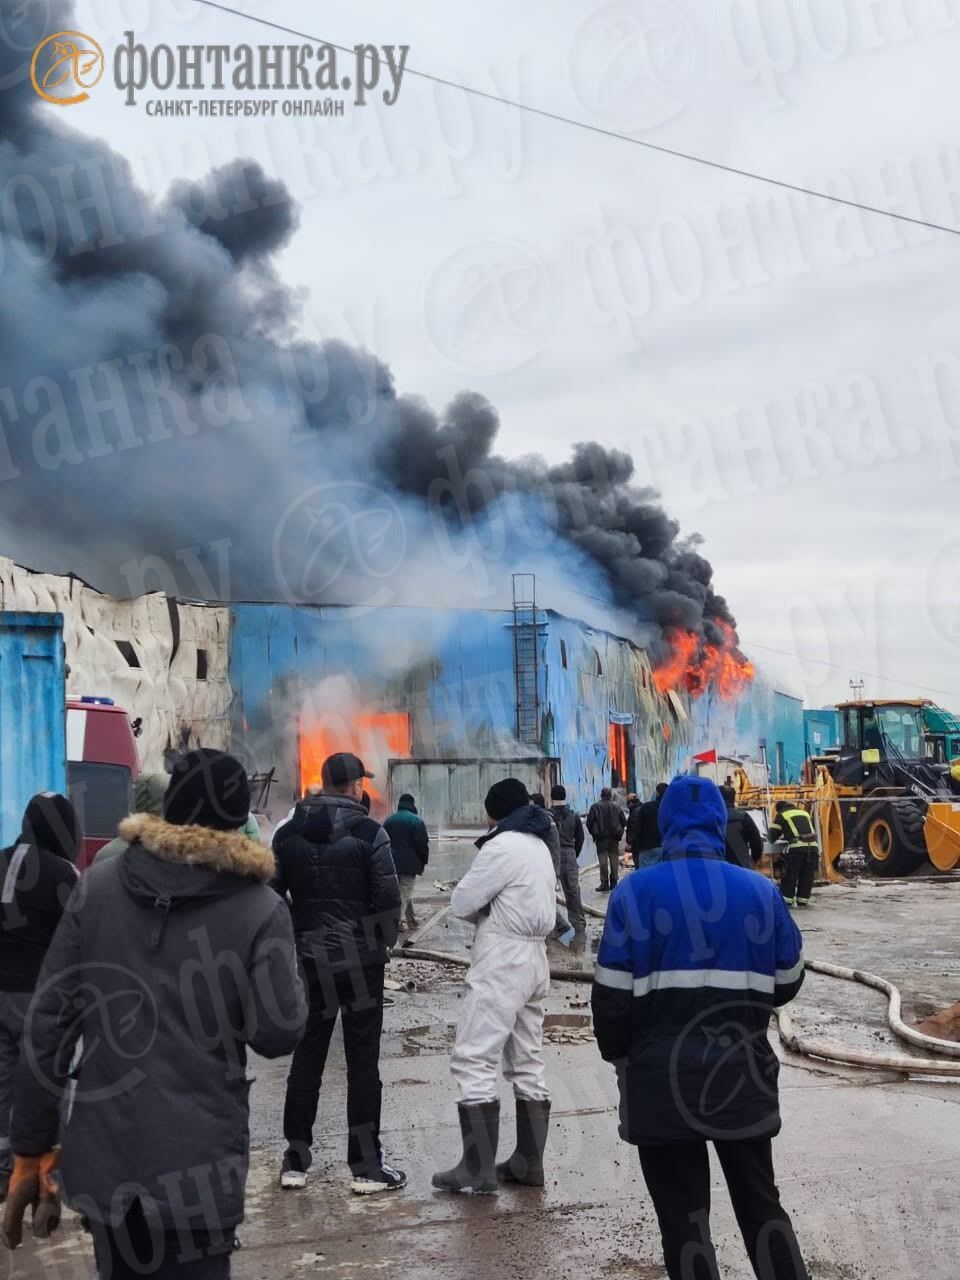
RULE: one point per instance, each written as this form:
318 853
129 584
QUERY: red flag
706 757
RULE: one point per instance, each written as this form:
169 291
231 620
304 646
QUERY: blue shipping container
33 734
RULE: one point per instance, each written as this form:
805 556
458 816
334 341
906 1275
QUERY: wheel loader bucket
830 823
941 830
829 827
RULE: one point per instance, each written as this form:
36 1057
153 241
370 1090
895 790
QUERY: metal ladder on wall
525 658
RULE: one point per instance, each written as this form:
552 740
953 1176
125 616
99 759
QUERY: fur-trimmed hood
225 852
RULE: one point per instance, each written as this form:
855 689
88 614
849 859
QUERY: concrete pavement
866 1161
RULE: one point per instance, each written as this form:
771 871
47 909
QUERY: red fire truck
102 763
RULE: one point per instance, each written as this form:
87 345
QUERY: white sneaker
293 1179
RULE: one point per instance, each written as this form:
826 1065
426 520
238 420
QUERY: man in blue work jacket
695 954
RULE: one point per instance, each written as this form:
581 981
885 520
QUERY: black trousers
133 1251
357 996
608 855
800 870
678 1179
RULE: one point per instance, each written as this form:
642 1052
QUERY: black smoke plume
158 412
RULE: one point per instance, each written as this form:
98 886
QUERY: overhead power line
839 666
677 154
604 132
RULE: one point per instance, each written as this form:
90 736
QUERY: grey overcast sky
784 371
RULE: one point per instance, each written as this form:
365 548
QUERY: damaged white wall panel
164 662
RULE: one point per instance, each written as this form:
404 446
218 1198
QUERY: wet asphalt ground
866 1160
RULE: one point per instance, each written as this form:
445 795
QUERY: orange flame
375 736
696 666
673 672
619 755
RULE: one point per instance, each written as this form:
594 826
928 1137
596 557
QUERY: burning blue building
442 701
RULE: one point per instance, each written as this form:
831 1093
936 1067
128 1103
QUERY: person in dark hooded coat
38 876
694 956
169 963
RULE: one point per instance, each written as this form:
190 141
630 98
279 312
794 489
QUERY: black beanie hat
50 822
208 789
505 797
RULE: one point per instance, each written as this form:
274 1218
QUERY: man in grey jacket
570 829
169 962
562 930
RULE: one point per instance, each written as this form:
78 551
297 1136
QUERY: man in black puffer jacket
335 862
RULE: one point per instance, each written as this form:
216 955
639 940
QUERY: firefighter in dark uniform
795 826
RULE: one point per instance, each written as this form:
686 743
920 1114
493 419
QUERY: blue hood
693 819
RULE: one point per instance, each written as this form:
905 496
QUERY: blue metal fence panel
33 745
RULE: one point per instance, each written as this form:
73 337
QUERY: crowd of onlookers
130 998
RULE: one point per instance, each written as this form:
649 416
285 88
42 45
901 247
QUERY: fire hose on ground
559 974
829 1051
807 1046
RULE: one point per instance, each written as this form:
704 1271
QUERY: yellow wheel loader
884 791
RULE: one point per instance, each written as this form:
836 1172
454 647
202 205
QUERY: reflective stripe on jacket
795 826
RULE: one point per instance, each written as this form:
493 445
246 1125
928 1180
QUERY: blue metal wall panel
821 729
777 717
33 747
453 671
592 679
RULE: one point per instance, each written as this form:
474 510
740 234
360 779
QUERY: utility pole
857 687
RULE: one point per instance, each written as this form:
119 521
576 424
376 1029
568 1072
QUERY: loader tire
893 842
